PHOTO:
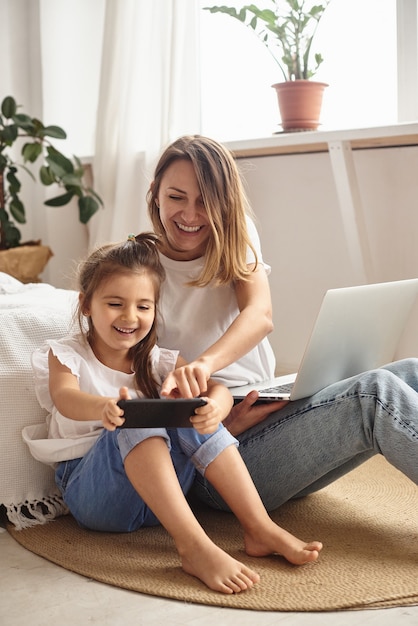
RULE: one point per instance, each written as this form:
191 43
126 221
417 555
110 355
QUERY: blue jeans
98 492
312 442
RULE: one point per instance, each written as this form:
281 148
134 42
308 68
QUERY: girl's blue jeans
96 488
312 442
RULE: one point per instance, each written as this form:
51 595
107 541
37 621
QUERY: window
357 39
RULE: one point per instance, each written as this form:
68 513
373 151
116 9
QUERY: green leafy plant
287 30
32 140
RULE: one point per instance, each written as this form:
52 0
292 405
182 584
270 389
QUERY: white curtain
145 53
21 77
149 95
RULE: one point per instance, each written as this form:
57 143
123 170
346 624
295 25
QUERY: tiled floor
35 592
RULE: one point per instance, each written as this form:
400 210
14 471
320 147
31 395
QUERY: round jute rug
367 521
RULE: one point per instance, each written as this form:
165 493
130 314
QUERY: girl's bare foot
218 570
276 540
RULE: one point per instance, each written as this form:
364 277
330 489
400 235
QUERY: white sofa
30 314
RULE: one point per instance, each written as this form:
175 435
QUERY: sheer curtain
21 77
122 78
149 95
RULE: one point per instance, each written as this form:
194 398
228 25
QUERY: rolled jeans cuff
211 448
128 438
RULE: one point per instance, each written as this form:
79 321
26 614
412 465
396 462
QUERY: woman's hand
112 415
208 417
187 381
246 414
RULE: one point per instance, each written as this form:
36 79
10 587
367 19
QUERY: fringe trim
28 514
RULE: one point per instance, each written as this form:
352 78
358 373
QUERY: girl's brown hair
137 255
225 203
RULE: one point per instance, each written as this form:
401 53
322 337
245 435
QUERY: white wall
295 200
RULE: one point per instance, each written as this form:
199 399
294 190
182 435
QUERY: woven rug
367 522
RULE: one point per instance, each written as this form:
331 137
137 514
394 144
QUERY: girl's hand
208 417
112 415
187 381
246 413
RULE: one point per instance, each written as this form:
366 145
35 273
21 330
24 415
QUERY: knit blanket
29 314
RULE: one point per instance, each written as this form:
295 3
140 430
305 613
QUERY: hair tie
131 237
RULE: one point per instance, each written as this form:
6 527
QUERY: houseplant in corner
20 133
287 29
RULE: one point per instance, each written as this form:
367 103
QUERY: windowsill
404 134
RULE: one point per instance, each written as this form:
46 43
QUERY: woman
216 308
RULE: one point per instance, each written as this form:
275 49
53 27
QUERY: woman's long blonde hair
225 203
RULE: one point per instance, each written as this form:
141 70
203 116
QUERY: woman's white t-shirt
193 318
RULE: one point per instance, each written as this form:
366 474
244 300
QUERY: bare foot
276 540
218 570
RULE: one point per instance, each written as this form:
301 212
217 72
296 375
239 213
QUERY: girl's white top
65 438
193 318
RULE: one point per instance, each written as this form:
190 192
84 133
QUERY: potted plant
21 133
287 29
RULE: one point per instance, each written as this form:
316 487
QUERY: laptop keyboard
286 388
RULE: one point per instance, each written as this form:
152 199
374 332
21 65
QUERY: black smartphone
159 412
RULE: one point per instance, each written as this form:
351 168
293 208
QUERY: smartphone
159 412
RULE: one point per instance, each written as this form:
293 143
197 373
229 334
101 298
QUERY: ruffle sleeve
64 351
163 362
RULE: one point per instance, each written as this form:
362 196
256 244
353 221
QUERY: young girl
216 282
116 479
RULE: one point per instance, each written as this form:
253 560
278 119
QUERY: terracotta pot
25 262
300 103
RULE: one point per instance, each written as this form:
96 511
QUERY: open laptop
357 329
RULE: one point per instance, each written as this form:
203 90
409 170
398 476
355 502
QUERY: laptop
357 329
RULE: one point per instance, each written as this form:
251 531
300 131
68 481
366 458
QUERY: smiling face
122 312
182 213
